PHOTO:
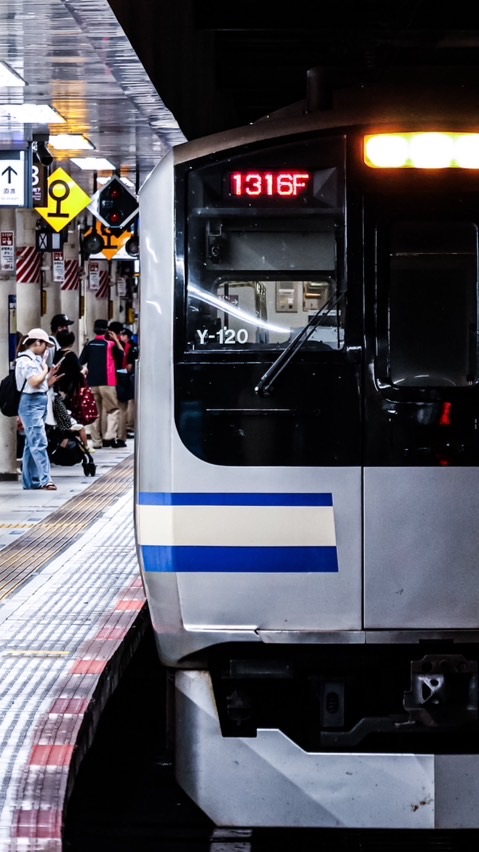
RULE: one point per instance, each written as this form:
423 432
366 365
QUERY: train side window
432 304
239 313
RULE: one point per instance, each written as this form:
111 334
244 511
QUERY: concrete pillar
51 289
114 308
83 336
29 261
97 294
8 327
70 289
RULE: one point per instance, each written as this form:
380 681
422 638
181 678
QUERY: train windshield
259 286
259 312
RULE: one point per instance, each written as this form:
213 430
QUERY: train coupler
444 691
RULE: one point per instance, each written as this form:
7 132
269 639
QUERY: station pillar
8 328
97 293
70 288
28 272
51 287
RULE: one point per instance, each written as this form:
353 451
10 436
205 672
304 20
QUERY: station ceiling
220 64
138 76
74 56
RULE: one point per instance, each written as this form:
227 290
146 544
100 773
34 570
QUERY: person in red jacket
126 385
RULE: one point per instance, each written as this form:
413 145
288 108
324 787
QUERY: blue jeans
35 463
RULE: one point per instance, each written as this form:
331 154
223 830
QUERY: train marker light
114 204
422 150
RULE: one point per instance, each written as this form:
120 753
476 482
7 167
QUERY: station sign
7 251
65 200
48 240
12 178
39 185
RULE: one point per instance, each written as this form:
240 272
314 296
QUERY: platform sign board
66 199
12 329
7 251
39 185
48 240
58 267
12 178
93 275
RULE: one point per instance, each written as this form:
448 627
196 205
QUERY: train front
307 472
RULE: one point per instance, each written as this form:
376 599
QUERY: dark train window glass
433 304
257 248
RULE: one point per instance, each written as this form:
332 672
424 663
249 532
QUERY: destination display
284 184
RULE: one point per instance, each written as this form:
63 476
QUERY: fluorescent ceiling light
95 164
30 114
70 142
9 77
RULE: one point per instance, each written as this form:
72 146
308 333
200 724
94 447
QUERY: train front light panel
422 150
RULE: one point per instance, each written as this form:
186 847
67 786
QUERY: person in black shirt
70 382
103 356
59 323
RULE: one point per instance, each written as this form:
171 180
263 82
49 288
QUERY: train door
421 473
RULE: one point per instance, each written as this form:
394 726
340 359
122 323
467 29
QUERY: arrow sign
9 171
12 179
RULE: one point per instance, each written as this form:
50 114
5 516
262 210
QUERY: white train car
307 462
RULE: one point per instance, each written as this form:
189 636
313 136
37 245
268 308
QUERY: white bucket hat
39 334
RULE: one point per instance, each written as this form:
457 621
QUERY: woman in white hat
34 377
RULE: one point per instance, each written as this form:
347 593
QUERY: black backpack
9 395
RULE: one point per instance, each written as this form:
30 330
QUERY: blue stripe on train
241 559
237 499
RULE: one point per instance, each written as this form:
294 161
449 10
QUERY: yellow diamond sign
65 200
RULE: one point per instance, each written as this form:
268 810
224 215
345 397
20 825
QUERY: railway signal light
114 205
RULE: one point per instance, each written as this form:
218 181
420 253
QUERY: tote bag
83 405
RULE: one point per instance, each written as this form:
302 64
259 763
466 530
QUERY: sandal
50 486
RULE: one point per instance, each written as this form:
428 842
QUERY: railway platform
72 611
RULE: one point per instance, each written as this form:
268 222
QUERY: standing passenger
130 355
33 378
59 322
103 356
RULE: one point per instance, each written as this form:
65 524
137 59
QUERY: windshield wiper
265 384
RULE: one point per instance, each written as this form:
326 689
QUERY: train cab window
432 304
242 313
256 282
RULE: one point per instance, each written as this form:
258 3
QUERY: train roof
402 105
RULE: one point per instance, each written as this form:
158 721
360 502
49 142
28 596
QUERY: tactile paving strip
27 555
62 640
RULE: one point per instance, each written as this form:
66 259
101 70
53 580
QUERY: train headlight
386 151
467 151
438 150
